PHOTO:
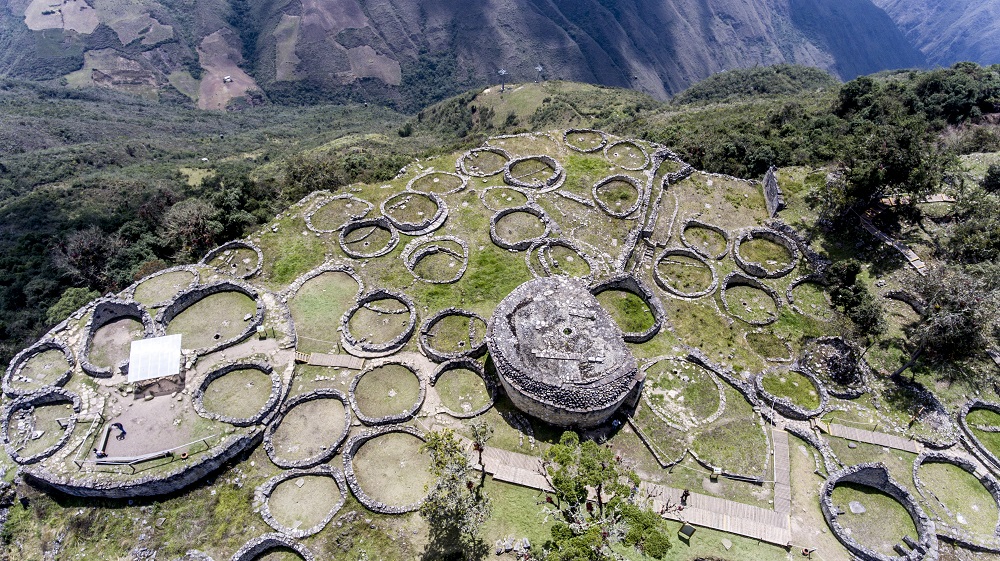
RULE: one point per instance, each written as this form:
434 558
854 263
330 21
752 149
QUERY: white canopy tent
154 358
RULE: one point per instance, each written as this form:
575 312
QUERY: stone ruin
559 355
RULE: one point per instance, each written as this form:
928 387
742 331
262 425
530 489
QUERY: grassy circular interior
213 319
628 310
391 469
462 391
239 394
308 429
881 526
319 304
163 287
379 321
685 274
794 386
387 390
303 502
42 369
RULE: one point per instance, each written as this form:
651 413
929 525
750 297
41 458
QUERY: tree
72 299
85 256
453 510
991 181
481 434
961 318
583 532
189 226
854 298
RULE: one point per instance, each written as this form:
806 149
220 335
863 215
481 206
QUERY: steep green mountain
948 31
408 53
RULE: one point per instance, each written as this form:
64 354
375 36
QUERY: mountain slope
948 31
410 53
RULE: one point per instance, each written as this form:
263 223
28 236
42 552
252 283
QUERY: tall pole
539 70
503 82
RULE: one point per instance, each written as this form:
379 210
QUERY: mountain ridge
212 52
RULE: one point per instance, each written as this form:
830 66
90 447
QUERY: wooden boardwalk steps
912 258
339 361
782 473
719 514
876 438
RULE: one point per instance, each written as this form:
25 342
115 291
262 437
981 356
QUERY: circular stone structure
559 355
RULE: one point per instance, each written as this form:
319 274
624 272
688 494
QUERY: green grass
451 333
884 523
750 304
303 502
961 494
42 369
387 390
392 469
521 515
317 308
162 288
685 274
793 386
239 394
218 314
628 310
462 391
767 344
736 442
710 241
292 257
564 260
696 396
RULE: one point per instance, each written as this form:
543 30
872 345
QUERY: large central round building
559 355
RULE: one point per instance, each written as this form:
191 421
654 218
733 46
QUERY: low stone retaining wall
424 226
44 396
690 254
329 451
695 223
367 208
551 183
229 246
474 351
908 298
736 278
609 152
191 471
424 247
262 496
876 476
397 417
597 148
188 298
258 546
22 358
757 269
198 399
382 223
462 165
669 422
627 282
105 311
353 445
604 206
786 406
971 441
363 348
297 285
468 364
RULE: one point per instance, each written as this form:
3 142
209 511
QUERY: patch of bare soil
223 79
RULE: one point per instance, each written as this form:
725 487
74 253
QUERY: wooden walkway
512 467
771 526
876 438
782 473
339 361
719 514
912 258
